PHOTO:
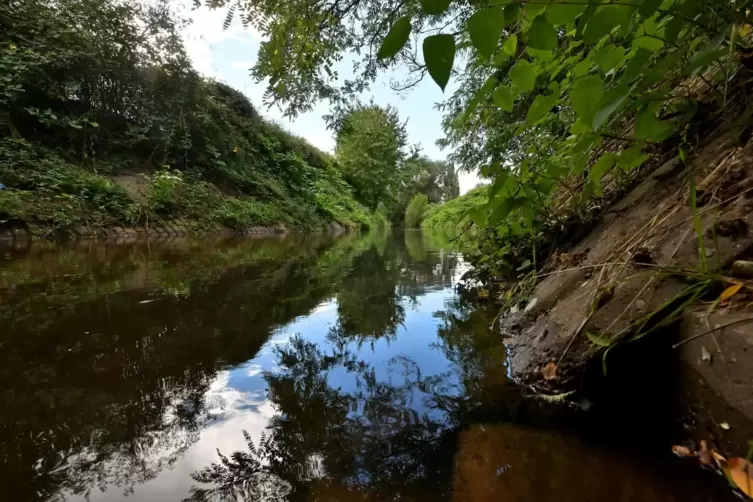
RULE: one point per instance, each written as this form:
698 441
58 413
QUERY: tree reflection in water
386 438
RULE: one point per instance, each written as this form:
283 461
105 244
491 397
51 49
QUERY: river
287 368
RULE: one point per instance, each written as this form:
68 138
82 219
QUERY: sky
228 55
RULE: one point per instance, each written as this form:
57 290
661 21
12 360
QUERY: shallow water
352 365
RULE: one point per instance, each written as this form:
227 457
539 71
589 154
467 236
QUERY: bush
414 213
455 214
164 195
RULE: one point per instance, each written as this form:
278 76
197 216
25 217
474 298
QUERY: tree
414 213
370 143
436 179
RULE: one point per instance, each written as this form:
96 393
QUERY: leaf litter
738 471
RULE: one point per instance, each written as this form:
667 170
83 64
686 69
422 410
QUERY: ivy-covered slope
103 122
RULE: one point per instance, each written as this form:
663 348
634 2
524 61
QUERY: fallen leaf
682 451
740 471
724 425
550 371
719 459
730 292
706 456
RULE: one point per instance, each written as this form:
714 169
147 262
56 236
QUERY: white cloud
205 31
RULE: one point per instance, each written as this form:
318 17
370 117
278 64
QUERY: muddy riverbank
652 286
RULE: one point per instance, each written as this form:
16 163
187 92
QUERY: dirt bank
642 277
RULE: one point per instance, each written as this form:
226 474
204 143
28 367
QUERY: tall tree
371 152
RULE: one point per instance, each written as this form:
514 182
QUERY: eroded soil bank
651 293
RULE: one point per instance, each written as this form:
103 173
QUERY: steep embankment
104 123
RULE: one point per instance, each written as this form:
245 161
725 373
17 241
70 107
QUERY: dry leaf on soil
550 371
682 451
730 292
705 455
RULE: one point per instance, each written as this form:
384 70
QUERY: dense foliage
373 156
555 100
370 151
454 216
416 210
103 121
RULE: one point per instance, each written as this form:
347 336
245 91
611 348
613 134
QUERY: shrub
455 214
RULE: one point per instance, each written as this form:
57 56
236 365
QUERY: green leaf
540 55
600 168
435 7
584 97
481 94
673 29
609 103
648 42
500 59
703 59
579 128
439 55
563 12
541 106
583 66
502 182
636 65
605 19
612 58
585 18
541 35
485 28
478 216
504 209
511 45
631 158
648 126
666 64
523 75
511 13
600 339
534 9
396 38
648 7
503 98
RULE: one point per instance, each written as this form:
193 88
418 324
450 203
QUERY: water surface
287 368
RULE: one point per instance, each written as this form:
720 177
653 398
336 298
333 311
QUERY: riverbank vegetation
561 105
104 122
455 216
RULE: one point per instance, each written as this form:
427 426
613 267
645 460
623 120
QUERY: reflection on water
285 368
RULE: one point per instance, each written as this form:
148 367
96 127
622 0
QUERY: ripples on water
275 369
